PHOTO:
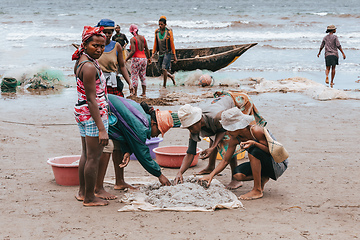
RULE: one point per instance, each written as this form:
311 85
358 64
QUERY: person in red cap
90 111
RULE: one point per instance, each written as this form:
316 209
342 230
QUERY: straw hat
189 115
233 119
107 24
276 149
164 121
330 28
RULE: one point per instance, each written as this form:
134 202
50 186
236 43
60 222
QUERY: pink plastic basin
65 169
172 156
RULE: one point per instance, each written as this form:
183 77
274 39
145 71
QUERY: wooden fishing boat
212 58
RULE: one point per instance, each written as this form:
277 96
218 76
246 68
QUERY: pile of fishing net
191 195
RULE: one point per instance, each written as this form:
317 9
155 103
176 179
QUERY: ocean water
37 34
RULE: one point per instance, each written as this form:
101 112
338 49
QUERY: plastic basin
65 169
172 156
151 143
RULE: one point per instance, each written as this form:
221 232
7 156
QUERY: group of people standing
139 54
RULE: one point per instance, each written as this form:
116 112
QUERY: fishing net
192 195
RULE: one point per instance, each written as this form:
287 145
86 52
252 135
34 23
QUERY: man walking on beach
164 44
331 44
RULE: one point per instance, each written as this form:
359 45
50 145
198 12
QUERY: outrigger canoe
190 59
212 58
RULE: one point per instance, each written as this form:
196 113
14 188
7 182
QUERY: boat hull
212 59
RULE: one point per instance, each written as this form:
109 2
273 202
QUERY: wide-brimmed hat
233 119
107 24
330 28
276 149
164 121
189 115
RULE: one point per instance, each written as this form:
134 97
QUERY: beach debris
206 80
40 81
192 195
298 207
153 101
184 98
9 84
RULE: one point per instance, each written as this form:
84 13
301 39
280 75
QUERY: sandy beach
316 198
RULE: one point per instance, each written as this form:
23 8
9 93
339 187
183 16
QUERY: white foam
308 87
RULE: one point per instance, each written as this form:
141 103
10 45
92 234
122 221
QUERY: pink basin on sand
65 169
172 156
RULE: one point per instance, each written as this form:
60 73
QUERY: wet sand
316 198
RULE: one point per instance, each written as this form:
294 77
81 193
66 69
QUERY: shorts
112 146
164 61
267 169
89 128
331 60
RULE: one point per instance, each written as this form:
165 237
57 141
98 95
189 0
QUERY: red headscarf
133 29
87 33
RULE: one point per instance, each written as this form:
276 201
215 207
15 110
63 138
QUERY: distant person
204 121
251 137
164 44
140 56
120 37
134 123
331 44
90 111
112 61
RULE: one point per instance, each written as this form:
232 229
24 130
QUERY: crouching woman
252 138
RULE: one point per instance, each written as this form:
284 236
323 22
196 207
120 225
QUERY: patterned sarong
245 104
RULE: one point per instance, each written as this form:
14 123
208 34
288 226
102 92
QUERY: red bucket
65 169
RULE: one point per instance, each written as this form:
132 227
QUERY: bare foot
96 201
105 195
253 194
332 84
143 95
234 184
79 197
206 170
123 186
327 80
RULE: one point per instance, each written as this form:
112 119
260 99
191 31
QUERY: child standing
331 44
